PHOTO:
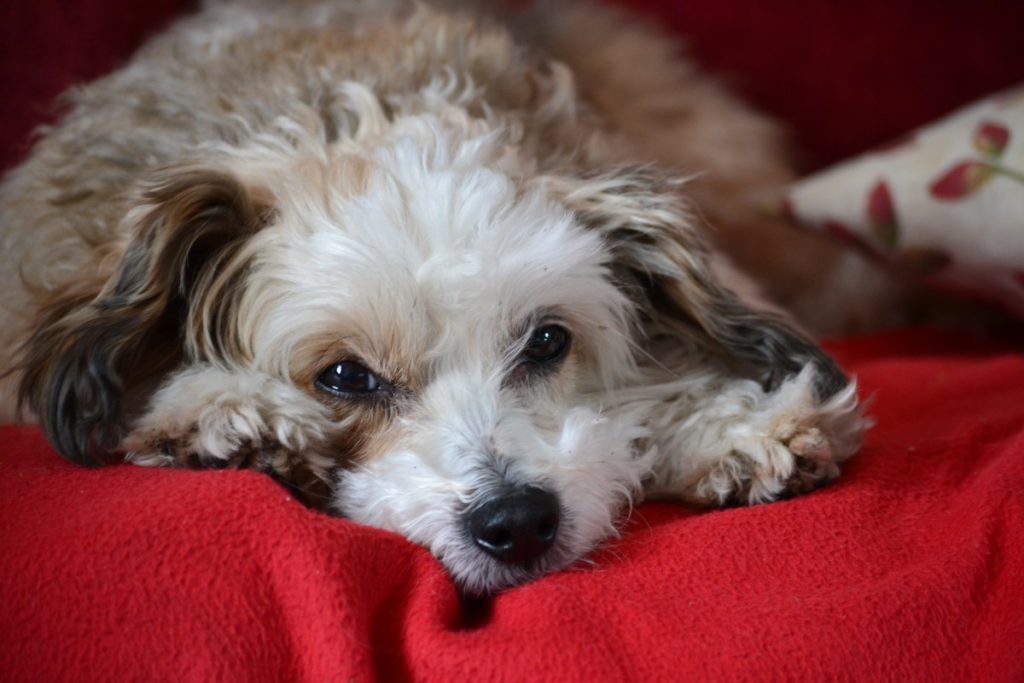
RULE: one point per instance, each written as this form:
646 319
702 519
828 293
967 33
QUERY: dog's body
404 259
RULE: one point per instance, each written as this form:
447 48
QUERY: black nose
517 526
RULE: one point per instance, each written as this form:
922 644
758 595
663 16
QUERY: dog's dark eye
348 377
547 344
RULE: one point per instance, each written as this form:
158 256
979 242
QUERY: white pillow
947 202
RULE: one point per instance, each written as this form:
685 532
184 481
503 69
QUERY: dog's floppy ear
661 256
92 341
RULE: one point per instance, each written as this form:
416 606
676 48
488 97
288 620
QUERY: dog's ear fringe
661 257
90 338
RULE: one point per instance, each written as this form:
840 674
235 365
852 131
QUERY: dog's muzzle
515 526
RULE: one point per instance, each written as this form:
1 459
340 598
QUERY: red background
844 76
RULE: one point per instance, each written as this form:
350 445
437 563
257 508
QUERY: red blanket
911 567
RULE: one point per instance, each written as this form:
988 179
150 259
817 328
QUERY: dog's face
412 328
460 330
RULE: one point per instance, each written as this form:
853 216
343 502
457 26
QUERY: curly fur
267 189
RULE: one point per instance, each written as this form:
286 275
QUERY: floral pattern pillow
946 202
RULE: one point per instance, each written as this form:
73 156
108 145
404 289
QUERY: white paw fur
745 445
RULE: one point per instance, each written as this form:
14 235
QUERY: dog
438 269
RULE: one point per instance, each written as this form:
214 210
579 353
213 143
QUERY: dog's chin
477 574
591 473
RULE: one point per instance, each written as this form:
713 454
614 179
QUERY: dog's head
411 327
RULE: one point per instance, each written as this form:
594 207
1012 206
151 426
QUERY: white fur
217 410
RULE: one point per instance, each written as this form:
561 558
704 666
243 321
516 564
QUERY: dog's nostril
515 527
495 536
547 527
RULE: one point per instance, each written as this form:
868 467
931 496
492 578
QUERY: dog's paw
789 445
205 418
226 434
225 437
760 469
814 463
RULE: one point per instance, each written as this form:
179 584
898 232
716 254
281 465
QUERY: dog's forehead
454 246
432 265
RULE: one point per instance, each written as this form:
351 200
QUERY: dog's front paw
814 463
760 469
192 447
788 445
225 434
206 418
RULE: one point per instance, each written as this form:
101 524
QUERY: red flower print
844 234
882 214
962 180
991 138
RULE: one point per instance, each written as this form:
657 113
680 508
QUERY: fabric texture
910 567
945 202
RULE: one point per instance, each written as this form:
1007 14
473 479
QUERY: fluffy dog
420 265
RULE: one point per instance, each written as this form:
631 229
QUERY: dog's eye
348 377
547 344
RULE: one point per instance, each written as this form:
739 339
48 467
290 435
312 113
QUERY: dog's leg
729 441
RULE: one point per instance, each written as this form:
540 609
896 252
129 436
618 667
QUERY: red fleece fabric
910 567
